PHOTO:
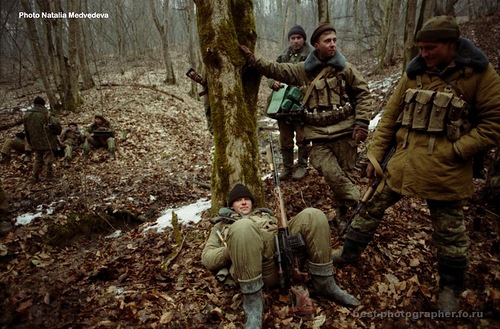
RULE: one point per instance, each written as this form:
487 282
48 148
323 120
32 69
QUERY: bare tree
409 36
323 14
194 51
222 25
162 29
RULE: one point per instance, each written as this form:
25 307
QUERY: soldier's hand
370 170
248 54
276 86
360 133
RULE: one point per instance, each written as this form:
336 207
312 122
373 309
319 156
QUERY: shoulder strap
311 85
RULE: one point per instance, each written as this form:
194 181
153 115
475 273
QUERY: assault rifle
196 77
287 249
370 191
103 133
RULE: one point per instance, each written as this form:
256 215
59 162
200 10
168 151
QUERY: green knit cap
439 28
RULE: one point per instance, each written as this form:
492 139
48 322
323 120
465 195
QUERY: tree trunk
222 25
194 51
162 29
323 14
88 81
71 99
390 56
37 52
409 36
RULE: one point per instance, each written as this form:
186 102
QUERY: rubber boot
324 284
253 301
451 283
27 157
66 163
287 164
354 245
301 168
111 154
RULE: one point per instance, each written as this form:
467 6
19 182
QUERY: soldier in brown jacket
337 104
445 110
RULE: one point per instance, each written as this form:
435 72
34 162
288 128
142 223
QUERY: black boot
301 168
287 164
253 302
451 283
354 245
324 284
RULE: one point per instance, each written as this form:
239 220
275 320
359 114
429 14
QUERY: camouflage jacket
41 128
289 56
212 255
341 82
446 172
73 137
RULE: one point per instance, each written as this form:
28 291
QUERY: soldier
249 248
338 109
42 129
17 143
296 52
99 134
445 110
71 138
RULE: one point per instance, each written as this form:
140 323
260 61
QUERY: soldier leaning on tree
337 105
296 52
445 110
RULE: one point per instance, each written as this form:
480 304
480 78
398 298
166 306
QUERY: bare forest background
66 55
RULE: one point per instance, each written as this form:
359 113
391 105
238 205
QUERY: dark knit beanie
297 29
73 124
322 28
439 28
39 101
239 191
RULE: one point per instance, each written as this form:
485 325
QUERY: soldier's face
72 127
242 205
437 53
296 41
98 121
326 46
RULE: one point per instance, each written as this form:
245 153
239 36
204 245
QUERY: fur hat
322 28
239 191
297 29
73 124
39 101
439 28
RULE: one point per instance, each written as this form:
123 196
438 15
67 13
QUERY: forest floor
65 270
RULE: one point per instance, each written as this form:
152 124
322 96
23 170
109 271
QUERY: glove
248 55
359 133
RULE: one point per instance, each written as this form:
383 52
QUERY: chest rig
435 112
326 99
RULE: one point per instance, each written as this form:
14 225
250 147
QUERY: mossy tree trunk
222 26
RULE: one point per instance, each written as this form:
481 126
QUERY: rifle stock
369 192
196 77
286 247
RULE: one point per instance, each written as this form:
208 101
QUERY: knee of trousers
244 230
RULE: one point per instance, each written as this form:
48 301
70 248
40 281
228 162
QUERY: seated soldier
248 249
17 143
71 138
99 134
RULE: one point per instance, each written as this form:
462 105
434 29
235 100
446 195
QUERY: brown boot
287 164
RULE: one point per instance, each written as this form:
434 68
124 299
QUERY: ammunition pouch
322 117
434 112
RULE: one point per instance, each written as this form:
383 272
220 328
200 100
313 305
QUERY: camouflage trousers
43 158
336 161
69 146
253 249
449 236
287 133
19 145
99 142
